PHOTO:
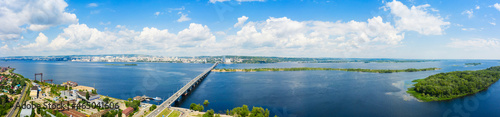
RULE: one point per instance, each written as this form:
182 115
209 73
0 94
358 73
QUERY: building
127 111
25 112
70 83
73 113
68 95
3 69
34 92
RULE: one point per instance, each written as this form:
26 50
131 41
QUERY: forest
447 86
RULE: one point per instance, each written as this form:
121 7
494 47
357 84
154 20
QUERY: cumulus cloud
35 15
497 6
183 18
157 13
81 39
284 34
241 21
416 18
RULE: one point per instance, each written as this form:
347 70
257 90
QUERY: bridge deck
181 91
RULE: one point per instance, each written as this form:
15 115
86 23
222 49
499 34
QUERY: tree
94 92
129 99
87 95
152 107
206 102
106 100
209 113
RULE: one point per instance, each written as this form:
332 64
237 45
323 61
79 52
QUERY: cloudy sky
427 29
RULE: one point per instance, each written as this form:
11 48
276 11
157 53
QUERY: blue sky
334 28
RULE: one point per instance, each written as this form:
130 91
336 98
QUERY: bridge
183 91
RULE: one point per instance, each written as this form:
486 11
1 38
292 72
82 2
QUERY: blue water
286 93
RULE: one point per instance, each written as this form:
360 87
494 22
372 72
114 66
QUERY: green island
122 64
473 64
331 69
447 86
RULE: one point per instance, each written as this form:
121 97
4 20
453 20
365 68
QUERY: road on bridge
179 93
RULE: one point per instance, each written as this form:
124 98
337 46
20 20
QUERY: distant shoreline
122 64
325 69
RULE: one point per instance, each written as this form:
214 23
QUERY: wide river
284 93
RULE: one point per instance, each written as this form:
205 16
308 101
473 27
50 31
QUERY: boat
157 98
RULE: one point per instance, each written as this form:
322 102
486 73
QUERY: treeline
245 112
473 64
335 69
446 86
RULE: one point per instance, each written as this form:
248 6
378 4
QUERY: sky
412 29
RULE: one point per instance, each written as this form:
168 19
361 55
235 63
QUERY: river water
284 93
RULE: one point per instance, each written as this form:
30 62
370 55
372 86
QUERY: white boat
157 98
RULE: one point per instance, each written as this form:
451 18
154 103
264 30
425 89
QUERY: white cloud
469 13
104 23
241 21
176 9
40 42
183 18
286 36
477 7
81 39
35 15
468 29
157 13
493 23
214 1
497 6
92 5
475 43
416 18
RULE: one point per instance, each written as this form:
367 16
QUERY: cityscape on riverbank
249 58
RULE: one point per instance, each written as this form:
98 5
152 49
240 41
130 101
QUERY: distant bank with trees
332 69
447 86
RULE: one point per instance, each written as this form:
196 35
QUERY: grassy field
164 112
175 114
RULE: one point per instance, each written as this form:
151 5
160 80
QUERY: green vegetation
196 107
336 69
6 104
175 114
122 64
447 86
244 112
209 113
134 104
106 100
112 113
473 64
206 102
164 112
153 107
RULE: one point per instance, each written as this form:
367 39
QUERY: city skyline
371 29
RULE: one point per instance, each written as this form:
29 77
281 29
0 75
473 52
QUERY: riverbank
325 69
456 84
